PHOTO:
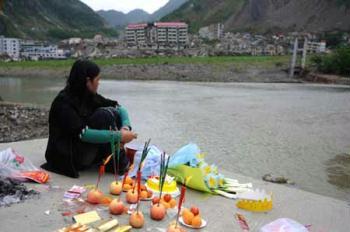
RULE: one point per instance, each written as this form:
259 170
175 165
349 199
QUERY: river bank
204 69
172 72
184 72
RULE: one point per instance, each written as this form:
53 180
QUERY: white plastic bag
151 164
283 225
16 166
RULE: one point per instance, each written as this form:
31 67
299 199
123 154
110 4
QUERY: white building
10 46
317 47
35 50
136 34
157 35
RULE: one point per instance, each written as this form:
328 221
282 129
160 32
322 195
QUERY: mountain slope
119 19
113 17
136 16
266 15
171 6
199 13
289 15
54 19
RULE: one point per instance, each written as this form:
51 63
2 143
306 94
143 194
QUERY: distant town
159 39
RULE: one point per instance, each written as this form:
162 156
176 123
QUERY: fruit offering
145 193
115 188
132 196
137 219
168 201
128 184
94 196
158 212
191 217
116 207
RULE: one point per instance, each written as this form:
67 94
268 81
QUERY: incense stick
144 154
162 173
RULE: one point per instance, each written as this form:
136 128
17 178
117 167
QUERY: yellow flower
212 181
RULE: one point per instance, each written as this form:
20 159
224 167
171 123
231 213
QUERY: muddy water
299 131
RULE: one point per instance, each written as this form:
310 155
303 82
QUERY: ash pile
12 192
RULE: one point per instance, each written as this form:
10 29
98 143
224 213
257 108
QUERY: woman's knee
104 118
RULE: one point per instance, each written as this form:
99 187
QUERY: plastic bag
151 164
15 166
283 225
186 155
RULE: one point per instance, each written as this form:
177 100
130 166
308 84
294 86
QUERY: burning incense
138 190
181 199
162 173
101 170
116 160
144 154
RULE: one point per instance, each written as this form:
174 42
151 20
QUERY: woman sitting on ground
79 106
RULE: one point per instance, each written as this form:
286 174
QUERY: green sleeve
124 116
100 136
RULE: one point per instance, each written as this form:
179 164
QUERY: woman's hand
127 136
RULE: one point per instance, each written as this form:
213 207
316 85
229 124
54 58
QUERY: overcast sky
126 5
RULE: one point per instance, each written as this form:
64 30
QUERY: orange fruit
172 203
128 180
197 221
143 194
184 210
188 217
126 187
166 204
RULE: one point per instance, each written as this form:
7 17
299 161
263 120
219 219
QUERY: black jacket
68 116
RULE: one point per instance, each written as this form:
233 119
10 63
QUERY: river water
300 131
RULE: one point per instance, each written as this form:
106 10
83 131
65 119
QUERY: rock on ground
20 122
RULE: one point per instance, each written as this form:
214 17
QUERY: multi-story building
135 34
37 50
157 35
10 46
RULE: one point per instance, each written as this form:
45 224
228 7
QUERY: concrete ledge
323 213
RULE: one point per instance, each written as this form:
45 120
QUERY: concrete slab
323 213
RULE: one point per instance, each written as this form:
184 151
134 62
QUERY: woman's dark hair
81 70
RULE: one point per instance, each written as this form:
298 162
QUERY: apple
116 187
116 207
137 220
155 200
167 197
195 210
131 196
94 196
157 212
